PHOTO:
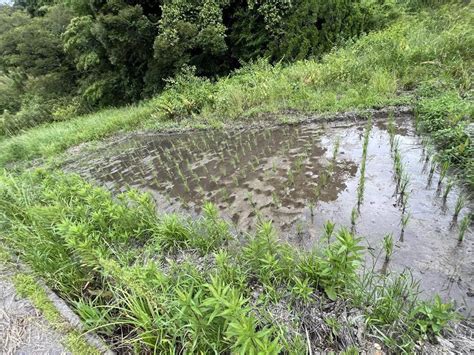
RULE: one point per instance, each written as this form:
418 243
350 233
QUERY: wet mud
300 176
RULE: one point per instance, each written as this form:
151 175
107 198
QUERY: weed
301 290
113 258
328 230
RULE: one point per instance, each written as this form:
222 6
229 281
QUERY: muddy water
300 177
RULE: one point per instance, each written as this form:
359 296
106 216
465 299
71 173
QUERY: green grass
422 59
119 265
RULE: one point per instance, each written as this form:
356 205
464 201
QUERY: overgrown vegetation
168 283
423 59
68 58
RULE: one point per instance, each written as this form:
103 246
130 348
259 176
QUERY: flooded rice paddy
301 176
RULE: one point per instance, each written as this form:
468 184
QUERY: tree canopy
80 55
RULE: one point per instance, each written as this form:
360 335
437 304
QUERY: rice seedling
323 179
250 199
396 144
335 150
443 171
360 191
274 167
224 193
460 203
276 199
405 202
290 177
311 208
354 216
404 183
391 128
447 190
299 163
317 192
431 173
404 222
180 174
388 246
299 228
186 186
365 144
463 226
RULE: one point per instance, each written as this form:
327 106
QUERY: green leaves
432 317
247 340
90 247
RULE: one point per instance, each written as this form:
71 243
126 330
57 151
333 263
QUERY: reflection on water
299 177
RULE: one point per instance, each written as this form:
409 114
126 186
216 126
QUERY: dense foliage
170 283
60 59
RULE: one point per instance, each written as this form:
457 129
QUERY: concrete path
23 330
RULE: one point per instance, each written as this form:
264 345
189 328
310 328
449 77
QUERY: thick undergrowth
168 283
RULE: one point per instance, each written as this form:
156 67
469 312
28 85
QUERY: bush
31 114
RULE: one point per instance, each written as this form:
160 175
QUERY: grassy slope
424 59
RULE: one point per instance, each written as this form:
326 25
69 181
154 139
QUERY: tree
111 50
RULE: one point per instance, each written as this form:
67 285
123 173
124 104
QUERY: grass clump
167 283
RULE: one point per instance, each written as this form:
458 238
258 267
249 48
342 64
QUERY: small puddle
290 175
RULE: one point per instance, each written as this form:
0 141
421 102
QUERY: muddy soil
295 176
